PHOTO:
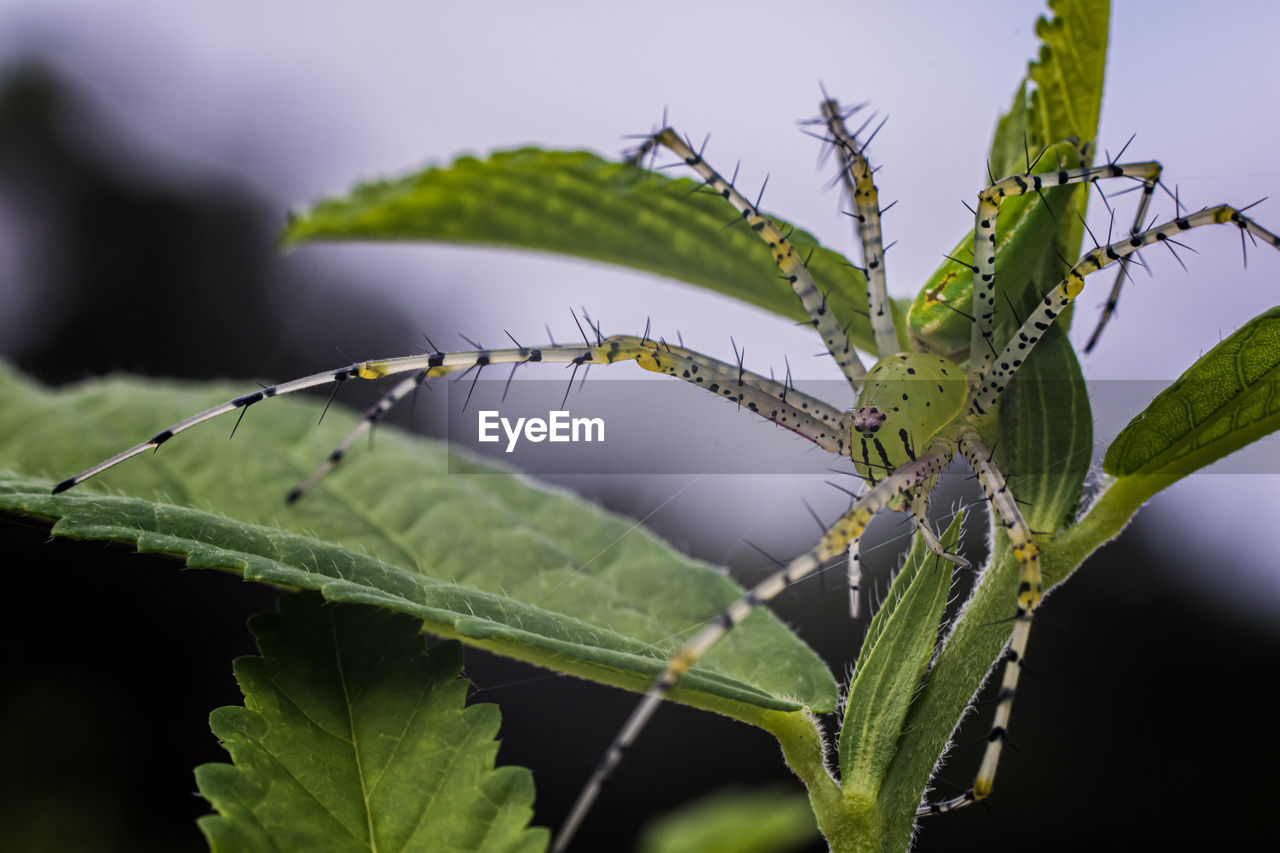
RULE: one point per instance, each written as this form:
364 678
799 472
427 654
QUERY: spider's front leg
1113 298
997 372
775 401
789 262
779 402
859 184
982 342
844 532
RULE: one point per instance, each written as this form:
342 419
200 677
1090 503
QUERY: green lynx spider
915 409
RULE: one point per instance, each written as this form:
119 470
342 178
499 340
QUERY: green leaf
575 203
1069 74
1226 400
355 737
1050 424
893 659
1060 99
476 553
1011 144
735 822
1061 96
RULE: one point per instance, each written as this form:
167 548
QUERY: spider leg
779 402
919 511
853 571
372 415
860 186
981 342
838 537
995 378
785 255
853 568
1113 298
1030 587
776 401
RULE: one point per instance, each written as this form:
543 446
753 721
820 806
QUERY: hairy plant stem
885 824
849 827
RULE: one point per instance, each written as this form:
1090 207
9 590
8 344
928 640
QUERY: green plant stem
849 827
1104 521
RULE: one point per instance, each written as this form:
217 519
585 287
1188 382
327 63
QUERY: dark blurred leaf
734 822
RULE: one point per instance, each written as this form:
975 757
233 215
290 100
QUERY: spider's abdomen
906 399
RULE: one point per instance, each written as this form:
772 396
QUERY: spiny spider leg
919 513
996 378
919 507
775 401
846 530
1030 587
785 255
784 404
853 570
853 558
372 415
981 342
1113 298
989 386
856 174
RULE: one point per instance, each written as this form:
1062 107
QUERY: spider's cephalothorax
915 410
906 399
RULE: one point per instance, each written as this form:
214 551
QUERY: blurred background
150 151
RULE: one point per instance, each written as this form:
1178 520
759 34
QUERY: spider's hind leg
1113 298
846 531
1030 588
